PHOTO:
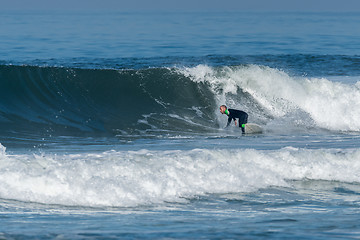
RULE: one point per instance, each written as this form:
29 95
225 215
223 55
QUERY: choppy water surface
110 125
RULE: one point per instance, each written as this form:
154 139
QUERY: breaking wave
145 177
71 101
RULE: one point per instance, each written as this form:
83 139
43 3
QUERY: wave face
63 100
70 101
136 178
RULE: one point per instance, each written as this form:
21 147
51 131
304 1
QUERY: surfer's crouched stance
233 114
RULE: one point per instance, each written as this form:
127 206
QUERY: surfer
234 114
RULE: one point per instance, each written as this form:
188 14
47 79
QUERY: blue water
110 125
30 36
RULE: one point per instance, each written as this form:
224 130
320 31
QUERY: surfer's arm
228 122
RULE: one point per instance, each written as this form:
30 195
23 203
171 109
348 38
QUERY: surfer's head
223 108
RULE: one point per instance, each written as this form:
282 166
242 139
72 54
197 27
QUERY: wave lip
128 178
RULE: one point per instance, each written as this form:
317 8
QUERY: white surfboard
253 128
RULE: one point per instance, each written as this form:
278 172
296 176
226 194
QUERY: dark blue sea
110 125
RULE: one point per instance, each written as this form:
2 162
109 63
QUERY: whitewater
329 105
136 178
120 136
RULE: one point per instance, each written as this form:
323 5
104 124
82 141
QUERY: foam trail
330 105
128 178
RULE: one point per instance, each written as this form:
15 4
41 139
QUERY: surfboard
253 128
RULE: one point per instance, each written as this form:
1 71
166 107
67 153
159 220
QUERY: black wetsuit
241 115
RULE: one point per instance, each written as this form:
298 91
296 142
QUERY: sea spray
330 105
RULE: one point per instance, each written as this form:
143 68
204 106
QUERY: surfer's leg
242 121
242 125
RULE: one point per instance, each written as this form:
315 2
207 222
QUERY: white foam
128 178
330 104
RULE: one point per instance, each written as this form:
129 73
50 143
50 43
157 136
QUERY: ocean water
110 128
